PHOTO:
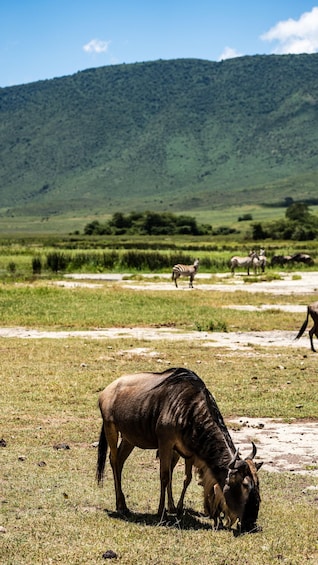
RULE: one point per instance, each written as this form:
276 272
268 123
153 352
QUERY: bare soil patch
282 446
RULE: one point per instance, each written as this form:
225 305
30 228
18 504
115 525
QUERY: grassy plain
51 508
28 226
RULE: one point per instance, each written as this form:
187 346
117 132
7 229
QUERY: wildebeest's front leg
118 456
188 463
166 466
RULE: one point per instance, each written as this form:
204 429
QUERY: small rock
3 530
61 446
22 458
41 464
3 443
109 554
95 444
299 405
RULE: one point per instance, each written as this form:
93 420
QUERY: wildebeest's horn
253 452
234 459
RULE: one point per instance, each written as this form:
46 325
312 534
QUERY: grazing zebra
185 271
241 262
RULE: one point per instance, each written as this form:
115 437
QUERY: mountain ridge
173 135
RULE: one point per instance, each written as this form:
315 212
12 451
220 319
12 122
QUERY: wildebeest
312 310
280 260
302 258
174 412
240 262
180 270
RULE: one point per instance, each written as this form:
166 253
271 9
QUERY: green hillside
179 135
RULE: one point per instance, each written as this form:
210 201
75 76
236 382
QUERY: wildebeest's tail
101 458
304 326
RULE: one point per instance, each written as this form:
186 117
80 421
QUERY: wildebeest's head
241 492
237 505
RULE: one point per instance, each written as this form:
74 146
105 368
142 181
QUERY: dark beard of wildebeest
174 412
312 310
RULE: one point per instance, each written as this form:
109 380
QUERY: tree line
147 223
299 224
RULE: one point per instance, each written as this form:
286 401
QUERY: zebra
259 261
248 262
262 259
180 270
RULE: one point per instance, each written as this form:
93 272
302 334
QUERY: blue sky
41 39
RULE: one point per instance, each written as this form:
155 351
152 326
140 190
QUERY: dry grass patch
51 507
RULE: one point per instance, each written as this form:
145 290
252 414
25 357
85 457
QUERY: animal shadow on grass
189 520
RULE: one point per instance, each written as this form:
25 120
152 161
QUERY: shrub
36 265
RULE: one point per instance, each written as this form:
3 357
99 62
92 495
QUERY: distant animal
302 258
180 270
259 261
280 260
262 259
242 262
174 413
312 310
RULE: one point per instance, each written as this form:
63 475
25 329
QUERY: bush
36 265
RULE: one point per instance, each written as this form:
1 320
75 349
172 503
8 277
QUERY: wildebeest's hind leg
118 456
312 332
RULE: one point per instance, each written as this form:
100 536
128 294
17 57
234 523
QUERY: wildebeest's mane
193 408
219 419
179 374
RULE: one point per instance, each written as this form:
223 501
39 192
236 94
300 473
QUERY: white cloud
295 36
229 53
96 46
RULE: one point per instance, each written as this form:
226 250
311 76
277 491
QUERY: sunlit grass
44 305
52 509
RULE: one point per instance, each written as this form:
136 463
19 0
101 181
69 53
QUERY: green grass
44 305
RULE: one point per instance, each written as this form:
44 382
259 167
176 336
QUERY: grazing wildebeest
302 258
312 310
240 262
173 412
280 260
180 270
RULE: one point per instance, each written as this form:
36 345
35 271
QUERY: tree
298 211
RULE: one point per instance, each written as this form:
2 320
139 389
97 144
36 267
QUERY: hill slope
180 134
